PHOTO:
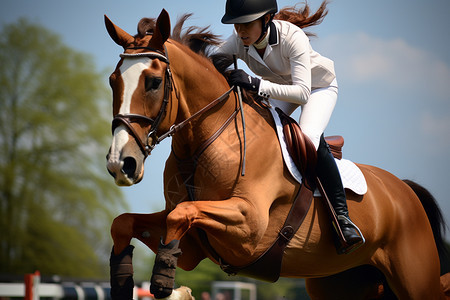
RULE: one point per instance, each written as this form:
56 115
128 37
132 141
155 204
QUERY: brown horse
161 88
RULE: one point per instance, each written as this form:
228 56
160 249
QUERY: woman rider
292 75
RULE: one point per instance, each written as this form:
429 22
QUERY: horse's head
141 85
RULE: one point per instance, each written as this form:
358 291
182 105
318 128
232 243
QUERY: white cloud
362 58
418 83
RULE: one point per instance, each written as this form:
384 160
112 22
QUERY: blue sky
392 59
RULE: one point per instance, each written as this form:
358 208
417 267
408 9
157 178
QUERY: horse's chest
212 176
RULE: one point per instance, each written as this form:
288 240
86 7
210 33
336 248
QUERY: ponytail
301 16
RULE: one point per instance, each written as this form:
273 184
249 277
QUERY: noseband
127 119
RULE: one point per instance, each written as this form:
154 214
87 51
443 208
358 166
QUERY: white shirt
289 68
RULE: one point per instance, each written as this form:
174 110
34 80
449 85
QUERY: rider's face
249 32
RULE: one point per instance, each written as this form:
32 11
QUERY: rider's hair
301 16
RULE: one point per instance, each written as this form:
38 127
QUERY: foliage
56 200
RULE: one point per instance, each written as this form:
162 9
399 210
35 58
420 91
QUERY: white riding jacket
290 68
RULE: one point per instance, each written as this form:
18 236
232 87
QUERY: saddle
303 153
301 149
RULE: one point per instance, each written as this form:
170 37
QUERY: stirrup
344 247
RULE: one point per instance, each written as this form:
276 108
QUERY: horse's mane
198 39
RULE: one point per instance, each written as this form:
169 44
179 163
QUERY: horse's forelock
146 26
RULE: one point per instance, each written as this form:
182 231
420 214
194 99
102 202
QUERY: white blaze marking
131 69
120 139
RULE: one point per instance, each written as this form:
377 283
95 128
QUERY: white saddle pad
352 177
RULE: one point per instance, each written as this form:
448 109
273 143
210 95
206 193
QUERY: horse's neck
203 126
197 86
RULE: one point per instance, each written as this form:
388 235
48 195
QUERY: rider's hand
241 78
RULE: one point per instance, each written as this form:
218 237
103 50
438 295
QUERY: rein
126 119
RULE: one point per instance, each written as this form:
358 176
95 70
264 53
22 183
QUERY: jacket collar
273 41
273 34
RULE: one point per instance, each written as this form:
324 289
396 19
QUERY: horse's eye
152 83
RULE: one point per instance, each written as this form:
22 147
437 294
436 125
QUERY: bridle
127 119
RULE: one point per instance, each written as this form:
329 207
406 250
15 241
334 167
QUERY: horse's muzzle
125 171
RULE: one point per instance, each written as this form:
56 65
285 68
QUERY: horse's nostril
129 166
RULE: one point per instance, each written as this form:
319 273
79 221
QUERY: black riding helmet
245 11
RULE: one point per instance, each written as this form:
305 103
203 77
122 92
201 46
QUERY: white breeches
316 113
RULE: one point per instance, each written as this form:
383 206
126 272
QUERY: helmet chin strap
263 39
263 42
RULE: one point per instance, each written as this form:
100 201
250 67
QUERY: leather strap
177 127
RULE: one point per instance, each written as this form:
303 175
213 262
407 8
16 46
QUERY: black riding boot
330 178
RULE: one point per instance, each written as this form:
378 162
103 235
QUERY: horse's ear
162 30
120 36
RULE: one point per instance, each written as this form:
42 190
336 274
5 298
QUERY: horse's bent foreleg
147 228
234 225
233 222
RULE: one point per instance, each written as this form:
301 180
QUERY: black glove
240 78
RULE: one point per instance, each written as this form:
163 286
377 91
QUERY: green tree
56 199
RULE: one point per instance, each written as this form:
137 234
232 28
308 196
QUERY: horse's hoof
158 290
